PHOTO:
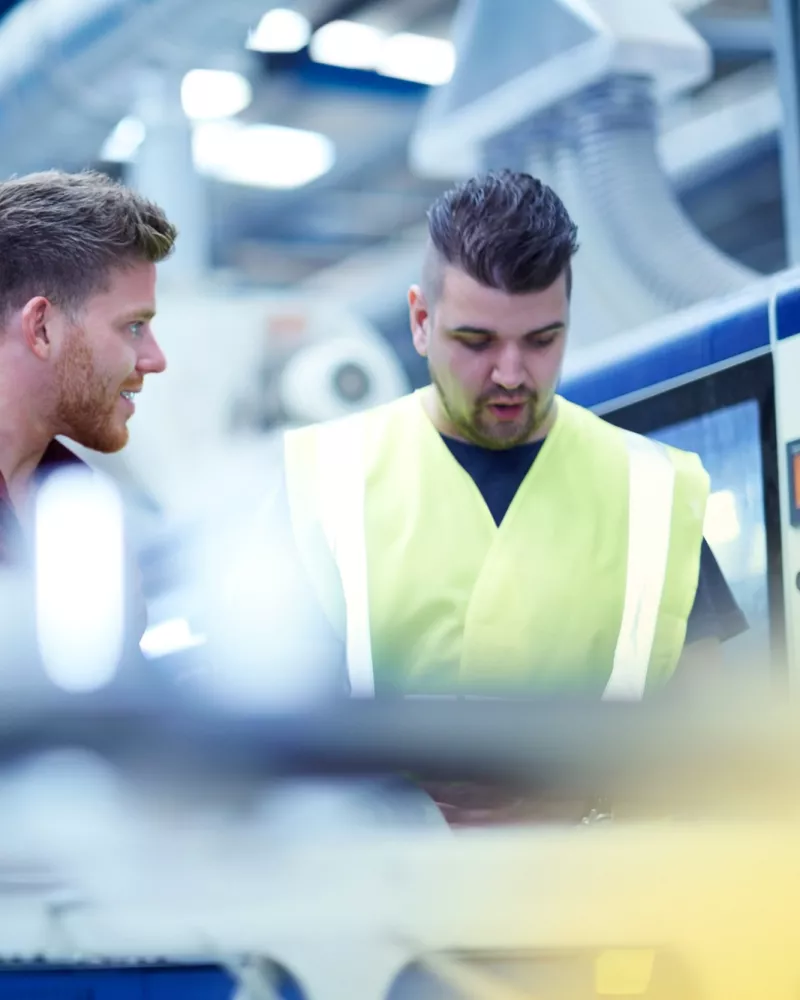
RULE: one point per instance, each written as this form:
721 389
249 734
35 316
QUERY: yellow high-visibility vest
586 585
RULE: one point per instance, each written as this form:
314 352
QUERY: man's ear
34 318
420 319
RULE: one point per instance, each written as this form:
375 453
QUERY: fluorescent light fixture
80 585
722 519
347 43
267 156
418 58
122 144
169 637
214 93
280 30
406 56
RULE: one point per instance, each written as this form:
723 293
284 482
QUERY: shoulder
685 462
345 431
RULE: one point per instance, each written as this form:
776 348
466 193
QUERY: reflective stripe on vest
341 482
651 485
651 482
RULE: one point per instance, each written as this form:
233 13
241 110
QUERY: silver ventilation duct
607 135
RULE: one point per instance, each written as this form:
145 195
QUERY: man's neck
24 438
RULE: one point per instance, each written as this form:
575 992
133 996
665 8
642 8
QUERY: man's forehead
129 291
465 300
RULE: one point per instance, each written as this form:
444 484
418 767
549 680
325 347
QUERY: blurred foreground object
188 859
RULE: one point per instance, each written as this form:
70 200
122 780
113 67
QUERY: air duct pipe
610 130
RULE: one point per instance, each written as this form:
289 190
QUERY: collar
56 456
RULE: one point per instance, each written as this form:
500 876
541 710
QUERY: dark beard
471 431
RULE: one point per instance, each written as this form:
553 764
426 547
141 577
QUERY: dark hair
506 230
62 234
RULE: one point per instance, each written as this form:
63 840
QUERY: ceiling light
214 93
280 30
418 58
121 145
347 43
261 155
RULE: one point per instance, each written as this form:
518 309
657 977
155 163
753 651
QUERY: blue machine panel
728 442
709 345
42 982
73 984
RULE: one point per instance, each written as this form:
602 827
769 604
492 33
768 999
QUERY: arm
715 618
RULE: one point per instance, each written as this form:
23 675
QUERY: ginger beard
89 408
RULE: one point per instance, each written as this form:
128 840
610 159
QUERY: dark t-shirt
499 474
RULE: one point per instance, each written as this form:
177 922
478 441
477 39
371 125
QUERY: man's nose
509 372
151 359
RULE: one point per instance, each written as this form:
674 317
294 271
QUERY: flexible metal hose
612 129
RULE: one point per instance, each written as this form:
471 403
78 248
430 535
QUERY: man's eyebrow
145 314
478 331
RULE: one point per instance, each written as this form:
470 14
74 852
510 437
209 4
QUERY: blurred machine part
242 366
179 840
575 99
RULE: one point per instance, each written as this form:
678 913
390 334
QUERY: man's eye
136 328
475 345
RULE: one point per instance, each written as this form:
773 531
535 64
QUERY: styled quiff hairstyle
506 230
61 236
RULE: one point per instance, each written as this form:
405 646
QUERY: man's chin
503 436
105 442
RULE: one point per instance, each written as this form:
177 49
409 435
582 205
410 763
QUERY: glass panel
729 445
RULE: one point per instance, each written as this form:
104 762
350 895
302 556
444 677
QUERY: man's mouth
507 409
129 398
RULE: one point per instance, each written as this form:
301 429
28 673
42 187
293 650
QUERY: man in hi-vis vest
484 536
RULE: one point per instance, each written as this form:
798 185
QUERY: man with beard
78 257
483 535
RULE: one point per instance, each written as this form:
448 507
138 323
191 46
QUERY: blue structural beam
786 18
691 350
5 7
697 350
